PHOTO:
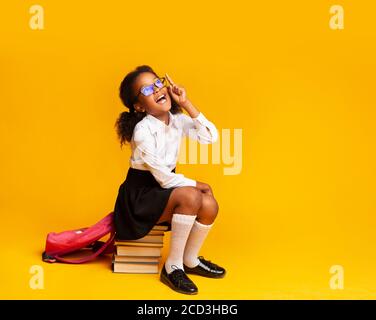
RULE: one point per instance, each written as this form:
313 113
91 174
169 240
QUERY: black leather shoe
206 268
178 281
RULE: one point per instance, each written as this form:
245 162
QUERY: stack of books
141 255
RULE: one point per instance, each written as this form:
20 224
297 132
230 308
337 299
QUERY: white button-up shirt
155 145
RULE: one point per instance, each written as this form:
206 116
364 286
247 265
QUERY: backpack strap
109 242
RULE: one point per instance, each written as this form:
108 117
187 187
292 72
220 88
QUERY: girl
153 193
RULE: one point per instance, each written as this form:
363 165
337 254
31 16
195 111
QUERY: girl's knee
191 197
209 209
210 203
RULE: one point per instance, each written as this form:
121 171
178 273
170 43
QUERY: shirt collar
155 124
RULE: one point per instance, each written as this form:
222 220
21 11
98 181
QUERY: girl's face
152 104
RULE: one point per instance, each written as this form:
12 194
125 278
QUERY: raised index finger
169 80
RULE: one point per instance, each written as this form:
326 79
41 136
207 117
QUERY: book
149 238
160 228
156 232
138 251
135 259
139 244
124 267
140 255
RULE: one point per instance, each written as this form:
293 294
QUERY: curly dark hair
127 120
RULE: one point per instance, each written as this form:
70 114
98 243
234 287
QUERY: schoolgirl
153 193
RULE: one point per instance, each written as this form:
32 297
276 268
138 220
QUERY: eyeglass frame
163 80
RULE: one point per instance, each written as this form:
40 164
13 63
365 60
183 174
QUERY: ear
138 107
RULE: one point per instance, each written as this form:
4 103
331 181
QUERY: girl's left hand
177 93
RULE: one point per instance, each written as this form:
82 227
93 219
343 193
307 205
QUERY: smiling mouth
161 99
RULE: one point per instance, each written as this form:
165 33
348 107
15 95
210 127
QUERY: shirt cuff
201 118
190 182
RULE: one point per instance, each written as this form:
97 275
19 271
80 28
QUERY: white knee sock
181 225
194 243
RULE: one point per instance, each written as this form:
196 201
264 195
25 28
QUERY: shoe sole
206 276
168 283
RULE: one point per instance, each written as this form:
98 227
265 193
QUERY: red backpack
60 244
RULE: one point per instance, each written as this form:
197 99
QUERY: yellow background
303 94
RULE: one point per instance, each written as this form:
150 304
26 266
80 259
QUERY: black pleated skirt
139 205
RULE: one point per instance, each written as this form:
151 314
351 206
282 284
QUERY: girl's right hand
204 187
177 93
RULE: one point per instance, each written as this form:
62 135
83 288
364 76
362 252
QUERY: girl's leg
183 198
183 205
201 227
208 210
